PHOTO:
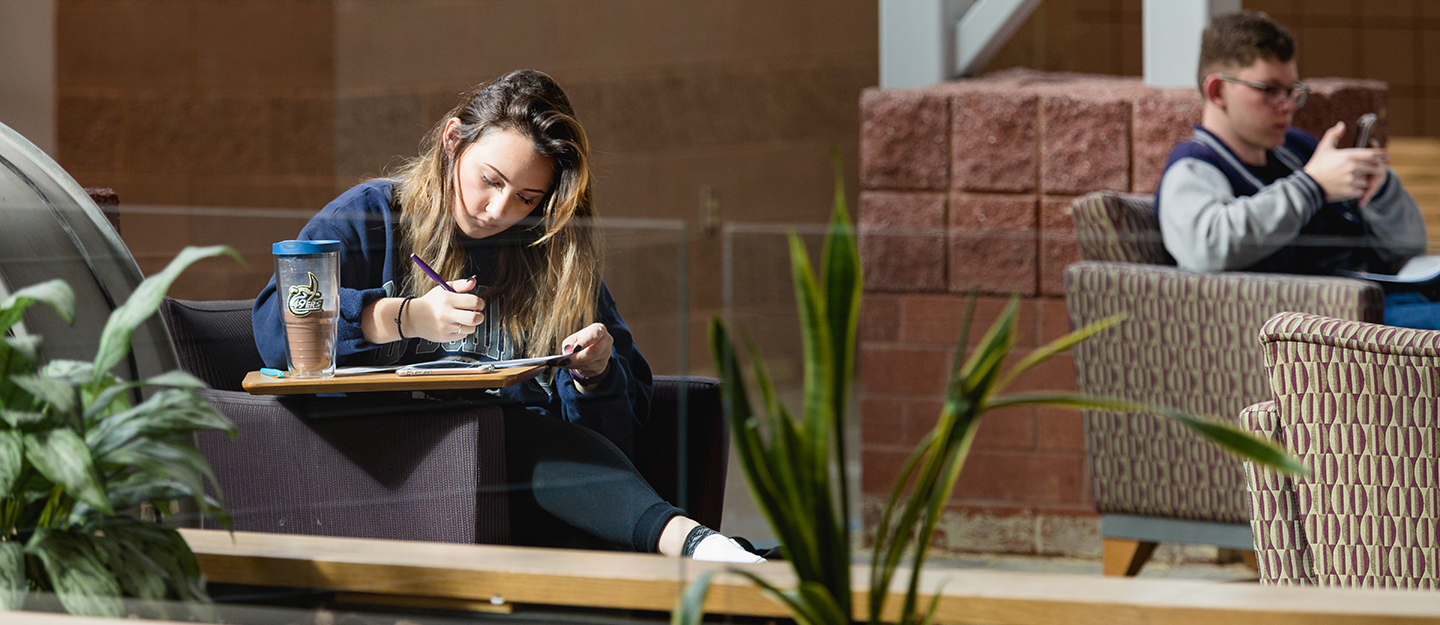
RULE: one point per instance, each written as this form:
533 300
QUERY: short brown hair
1238 39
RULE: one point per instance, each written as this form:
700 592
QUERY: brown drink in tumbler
307 277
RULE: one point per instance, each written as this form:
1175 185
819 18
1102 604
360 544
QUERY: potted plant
77 459
792 463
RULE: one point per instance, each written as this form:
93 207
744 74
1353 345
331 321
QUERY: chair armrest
415 471
1281 548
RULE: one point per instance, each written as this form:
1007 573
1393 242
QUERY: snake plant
793 463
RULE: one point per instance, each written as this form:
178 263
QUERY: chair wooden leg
1250 560
1126 557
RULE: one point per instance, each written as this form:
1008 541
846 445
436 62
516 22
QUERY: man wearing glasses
1249 193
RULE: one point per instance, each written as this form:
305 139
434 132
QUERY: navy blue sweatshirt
364 220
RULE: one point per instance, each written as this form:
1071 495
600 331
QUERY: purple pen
433 276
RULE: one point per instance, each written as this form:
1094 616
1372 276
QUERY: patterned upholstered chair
1189 343
382 465
1359 404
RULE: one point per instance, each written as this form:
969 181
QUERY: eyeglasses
1275 95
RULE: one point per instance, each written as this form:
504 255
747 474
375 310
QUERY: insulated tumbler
307 279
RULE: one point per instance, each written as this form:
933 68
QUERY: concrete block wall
967 185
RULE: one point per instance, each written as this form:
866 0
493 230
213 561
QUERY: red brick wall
967 185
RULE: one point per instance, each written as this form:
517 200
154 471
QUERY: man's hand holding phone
1346 173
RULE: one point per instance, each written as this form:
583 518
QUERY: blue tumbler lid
302 248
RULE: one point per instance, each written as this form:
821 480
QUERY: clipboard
256 383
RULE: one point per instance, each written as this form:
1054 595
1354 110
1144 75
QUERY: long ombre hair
548 283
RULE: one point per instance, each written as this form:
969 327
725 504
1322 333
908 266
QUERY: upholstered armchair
1359 404
385 465
1189 344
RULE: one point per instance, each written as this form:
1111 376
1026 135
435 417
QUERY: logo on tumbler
305 298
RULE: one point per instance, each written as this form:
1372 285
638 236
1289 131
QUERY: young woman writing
501 192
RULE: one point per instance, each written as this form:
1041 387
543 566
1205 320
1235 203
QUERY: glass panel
387 464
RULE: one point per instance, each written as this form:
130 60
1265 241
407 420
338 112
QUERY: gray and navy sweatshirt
1219 214
364 220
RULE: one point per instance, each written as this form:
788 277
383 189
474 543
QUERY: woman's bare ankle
672 538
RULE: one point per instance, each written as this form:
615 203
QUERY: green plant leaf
799 607
12 459
891 541
952 459
843 283
819 359
1057 346
135 488
983 366
22 418
57 393
934 607
1226 435
60 455
810 441
17 355
73 372
100 404
53 292
768 470
28 347
12 575
172 457
824 606
150 561
111 400
1241 443
691 609
176 378
76 568
115 338
170 411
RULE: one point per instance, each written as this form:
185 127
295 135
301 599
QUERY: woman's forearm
377 321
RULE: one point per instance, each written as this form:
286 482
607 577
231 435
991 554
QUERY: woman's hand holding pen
590 354
442 315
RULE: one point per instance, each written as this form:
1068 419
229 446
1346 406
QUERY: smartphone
1362 129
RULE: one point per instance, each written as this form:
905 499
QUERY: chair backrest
1121 228
214 341
1359 403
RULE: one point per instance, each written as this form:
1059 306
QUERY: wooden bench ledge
647 582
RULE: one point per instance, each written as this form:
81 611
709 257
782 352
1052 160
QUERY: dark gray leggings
571 487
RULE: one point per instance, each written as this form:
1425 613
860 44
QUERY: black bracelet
398 330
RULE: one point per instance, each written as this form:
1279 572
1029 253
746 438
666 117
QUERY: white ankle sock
720 548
